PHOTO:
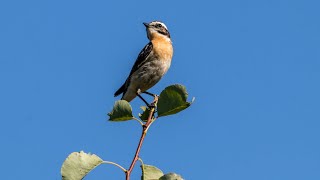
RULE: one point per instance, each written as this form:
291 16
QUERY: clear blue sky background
253 66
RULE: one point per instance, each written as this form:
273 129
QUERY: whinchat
152 63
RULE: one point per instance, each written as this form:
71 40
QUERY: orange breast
162 48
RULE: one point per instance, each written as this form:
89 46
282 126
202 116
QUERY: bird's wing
141 59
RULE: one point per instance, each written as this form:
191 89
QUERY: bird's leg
153 95
149 105
138 94
143 99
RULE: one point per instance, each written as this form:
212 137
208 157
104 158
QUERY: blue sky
253 66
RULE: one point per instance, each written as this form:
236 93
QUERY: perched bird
152 63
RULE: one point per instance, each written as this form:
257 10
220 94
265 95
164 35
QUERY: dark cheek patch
164 31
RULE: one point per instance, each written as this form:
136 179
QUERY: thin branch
113 163
145 128
154 119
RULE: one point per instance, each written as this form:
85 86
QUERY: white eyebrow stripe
158 22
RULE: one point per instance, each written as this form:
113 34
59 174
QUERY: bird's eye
158 25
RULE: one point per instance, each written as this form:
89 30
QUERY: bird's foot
154 102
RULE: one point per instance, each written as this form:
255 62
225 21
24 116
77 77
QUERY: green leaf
150 172
121 111
171 176
78 165
172 100
145 114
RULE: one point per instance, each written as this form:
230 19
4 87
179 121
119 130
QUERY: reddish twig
145 128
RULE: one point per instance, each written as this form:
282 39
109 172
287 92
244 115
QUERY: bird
152 63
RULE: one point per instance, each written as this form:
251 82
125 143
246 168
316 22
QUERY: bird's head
157 29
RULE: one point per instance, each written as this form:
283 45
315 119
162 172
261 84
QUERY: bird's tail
120 90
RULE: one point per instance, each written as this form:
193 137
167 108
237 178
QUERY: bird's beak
146 24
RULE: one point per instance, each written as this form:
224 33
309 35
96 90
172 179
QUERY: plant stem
113 163
138 121
145 128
